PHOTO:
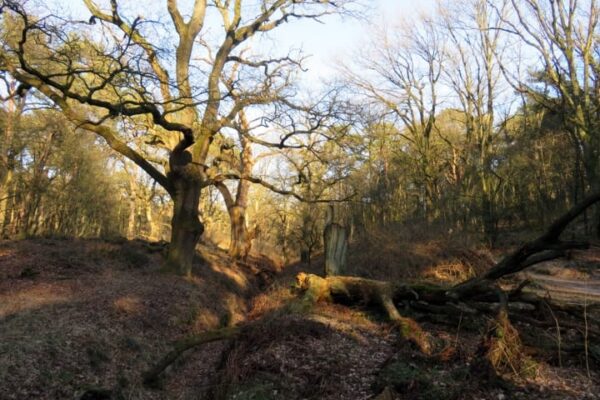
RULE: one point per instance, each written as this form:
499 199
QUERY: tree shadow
94 312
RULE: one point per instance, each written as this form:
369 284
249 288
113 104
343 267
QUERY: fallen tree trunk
351 289
474 296
546 247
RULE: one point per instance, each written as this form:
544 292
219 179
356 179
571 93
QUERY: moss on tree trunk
186 227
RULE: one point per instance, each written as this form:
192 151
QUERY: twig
585 335
458 329
558 337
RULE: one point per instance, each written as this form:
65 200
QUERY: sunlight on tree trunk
239 242
336 246
186 228
335 238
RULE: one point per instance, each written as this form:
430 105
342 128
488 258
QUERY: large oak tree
116 76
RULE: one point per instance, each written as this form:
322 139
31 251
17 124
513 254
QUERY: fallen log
473 296
347 289
546 247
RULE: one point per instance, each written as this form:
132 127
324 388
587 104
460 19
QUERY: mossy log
428 299
477 295
347 289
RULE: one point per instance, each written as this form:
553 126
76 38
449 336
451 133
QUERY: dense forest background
481 117
188 210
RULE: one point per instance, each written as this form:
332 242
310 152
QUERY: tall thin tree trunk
153 231
133 194
7 166
5 195
131 218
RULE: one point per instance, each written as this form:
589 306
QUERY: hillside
86 317
86 314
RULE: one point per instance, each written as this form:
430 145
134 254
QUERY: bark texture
186 227
336 247
347 289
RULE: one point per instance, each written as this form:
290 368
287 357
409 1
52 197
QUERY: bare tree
563 37
401 77
474 76
124 78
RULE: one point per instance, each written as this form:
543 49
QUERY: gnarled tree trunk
186 227
240 239
239 245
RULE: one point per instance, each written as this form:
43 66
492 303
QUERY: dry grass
503 350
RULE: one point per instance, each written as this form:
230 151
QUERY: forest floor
88 316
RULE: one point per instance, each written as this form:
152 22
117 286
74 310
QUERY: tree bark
131 218
336 246
186 227
153 228
240 239
239 245
7 161
5 197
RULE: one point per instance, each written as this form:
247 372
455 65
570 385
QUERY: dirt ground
76 315
87 317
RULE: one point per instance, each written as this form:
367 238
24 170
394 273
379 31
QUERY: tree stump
336 246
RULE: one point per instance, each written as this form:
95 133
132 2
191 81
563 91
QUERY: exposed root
409 328
151 376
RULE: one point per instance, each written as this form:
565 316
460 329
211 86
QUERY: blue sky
340 37
324 43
